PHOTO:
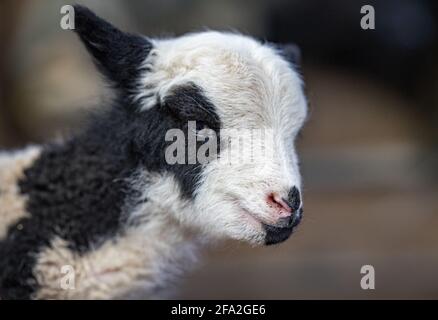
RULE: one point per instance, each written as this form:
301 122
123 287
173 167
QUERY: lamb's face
250 190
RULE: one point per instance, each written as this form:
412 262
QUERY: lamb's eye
201 125
188 103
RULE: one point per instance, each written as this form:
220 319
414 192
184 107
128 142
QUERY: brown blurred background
369 151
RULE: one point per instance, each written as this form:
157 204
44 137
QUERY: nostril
276 201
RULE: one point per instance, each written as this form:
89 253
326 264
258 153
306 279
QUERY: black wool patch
77 191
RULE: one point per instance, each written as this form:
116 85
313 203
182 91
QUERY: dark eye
201 125
188 103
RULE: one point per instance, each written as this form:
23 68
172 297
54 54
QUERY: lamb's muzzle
289 213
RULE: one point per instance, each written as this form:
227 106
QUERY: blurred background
369 151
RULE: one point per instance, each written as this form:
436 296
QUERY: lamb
105 202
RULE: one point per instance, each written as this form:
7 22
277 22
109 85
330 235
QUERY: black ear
291 52
118 55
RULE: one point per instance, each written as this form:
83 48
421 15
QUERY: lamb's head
217 114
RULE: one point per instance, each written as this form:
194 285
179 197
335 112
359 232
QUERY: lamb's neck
160 209
163 246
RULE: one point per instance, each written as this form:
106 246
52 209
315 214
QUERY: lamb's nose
287 207
280 205
289 210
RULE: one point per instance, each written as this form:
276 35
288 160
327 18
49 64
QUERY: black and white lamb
107 203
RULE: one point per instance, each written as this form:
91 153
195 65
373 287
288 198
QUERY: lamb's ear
118 55
292 53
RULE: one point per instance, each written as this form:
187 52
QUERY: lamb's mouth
281 232
275 235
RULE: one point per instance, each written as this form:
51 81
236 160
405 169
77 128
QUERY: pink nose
276 202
